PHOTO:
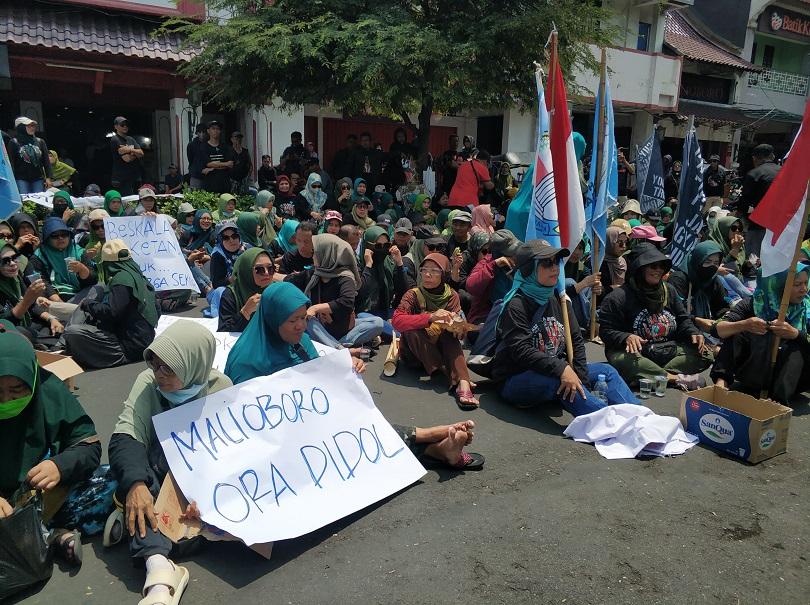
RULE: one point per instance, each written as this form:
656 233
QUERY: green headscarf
287 233
260 351
243 286
439 297
720 234
111 195
450 216
65 197
13 287
701 278
222 202
248 223
64 281
768 299
417 252
441 219
126 272
383 271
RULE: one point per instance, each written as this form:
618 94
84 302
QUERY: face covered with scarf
768 297
61 202
701 266
314 192
18 371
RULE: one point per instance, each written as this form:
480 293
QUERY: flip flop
114 528
466 406
68 544
466 462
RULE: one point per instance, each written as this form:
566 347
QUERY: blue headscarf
230 257
768 299
315 196
200 237
260 351
530 287
286 234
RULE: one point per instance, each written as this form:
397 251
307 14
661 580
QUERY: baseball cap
623 225
333 215
463 215
120 121
504 243
213 123
403 225
384 220
647 232
236 133
145 192
714 158
24 120
537 249
115 250
92 189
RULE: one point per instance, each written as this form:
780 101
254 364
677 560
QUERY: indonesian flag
781 211
570 207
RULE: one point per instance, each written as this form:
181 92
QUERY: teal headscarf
248 224
768 298
356 197
701 278
286 233
65 282
260 351
200 237
530 287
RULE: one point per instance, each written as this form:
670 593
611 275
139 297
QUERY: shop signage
785 23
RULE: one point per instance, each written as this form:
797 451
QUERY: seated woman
147 202
359 214
63 175
332 222
614 265
267 217
95 237
285 198
531 354
18 302
227 249
423 316
580 282
121 319
310 205
250 229
491 278
252 273
461 265
278 331
699 287
113 203
178 370
196 245
748 331
331 285
646 329
226 209
377 290
728 233
646 233
301 257
63 208
46 438
286 240
185 218
666 219
26 233
57 261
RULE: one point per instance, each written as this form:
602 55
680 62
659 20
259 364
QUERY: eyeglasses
99 226
264 269
9 260
425 271
547 263
436 247
158 367
60 235
229 238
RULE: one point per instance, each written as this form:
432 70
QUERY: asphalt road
547 521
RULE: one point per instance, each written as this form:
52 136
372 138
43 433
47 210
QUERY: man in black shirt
367 163
173 181
126 159
755 186
218 161
196 154
242 164
342 163
267 174
714 182
292 156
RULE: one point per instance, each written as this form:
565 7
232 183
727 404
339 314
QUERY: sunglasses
158 367
548 263
436 247
264 269
736 228
60 235
97 226
344 187
230 238
9 260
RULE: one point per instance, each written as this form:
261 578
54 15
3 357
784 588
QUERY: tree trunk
423 147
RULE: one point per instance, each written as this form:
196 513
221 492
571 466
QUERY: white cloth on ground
626 430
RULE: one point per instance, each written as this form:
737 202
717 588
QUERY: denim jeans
203 281
530 387
365 330
388 329
581 303
25 187
735 288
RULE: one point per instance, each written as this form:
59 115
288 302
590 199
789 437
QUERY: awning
687 41
716 115
75 28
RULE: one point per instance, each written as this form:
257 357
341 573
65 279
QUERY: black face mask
404 249
707 273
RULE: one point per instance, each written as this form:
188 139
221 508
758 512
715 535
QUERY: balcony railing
780 81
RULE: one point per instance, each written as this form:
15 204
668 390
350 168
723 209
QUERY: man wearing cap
242 164
755 186
30 159
218 161
126 159
460 238
197 154
403 234
714 182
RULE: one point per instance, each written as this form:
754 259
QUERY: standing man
126 159
343 161
196 153
755 186
218 161
367 163
714 182
626 170
448 165
291 158
242 165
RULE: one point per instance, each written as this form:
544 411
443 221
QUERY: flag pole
600 152
552 80
791 276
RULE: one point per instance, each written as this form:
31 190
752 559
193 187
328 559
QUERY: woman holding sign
179 370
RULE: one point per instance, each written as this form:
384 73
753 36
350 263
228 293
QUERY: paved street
547 521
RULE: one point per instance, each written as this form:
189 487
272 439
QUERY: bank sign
785 23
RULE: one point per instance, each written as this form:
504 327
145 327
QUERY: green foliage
36 210
386 57
201 200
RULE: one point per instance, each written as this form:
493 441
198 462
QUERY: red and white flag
570 207
781 211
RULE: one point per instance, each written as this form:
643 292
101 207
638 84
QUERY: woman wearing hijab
57 260
252 273
63 208
646 329
267 217
666 218
7 232
228 248
699 286
728 232
359 214
423 316
313 199
121 322
249 225
285 242
614 265
30 160
285 198
483 221
378 273
26 233
332 285
196 244
47 440
61 173
113 203
179 369
491 277
185 218
226 209
531 353
748 331
95 237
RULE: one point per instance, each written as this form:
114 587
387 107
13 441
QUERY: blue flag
9 194
650 175
604 194
689 217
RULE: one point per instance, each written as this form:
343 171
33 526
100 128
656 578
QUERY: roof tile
685 40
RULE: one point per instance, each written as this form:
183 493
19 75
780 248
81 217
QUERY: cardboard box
737 424
61 366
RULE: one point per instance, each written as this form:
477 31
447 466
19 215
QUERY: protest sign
279 456
650 175
155 248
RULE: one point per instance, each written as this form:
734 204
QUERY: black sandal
466 462
68 545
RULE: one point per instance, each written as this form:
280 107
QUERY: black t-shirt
122 170
241 164
219 180
172 181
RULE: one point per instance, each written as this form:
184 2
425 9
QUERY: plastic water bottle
600 389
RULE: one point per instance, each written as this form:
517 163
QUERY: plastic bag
25 558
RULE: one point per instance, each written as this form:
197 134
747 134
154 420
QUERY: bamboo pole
600 152
791 277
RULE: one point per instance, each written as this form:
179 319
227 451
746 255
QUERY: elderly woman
179 369
531 355
252 273
228 248
120 322
58 260
47 441
424 317
646 329
748 331
278 331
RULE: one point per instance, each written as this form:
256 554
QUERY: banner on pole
650 175
280 456
689 217
155 248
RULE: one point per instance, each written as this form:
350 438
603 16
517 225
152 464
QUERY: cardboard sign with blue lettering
280 456
737 424
155 248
